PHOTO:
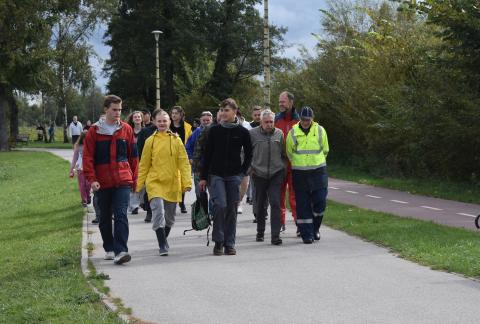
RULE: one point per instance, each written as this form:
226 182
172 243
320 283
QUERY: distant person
135 120
256 111
223 172
51 133
77 165
166 176
40 130
285 120
206 119
196 124
110 164
269 163
147 118
307 149
96 206
183 129
142 136
246 179
75 129
88 124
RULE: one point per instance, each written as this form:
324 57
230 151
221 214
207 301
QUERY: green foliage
390 93
41 279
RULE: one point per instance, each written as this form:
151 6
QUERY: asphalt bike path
339 279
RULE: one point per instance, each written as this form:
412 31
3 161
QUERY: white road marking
399 201
352 192
334 188
376 197
432 208
464 214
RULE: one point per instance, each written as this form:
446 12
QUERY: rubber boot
162 240
317 221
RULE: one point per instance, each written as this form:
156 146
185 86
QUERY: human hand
95 186
72 174
203 185
187 189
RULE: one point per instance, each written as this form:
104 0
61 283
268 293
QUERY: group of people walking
152 159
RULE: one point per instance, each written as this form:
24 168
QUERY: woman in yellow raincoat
165 171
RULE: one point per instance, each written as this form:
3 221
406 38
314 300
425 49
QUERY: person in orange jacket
285 120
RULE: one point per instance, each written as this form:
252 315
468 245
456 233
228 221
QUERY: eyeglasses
206 113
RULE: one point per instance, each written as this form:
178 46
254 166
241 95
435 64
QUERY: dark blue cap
306 113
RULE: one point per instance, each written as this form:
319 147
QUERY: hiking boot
276 240
230 250
148 218
307 241
259 237
218 249
109 255
162 241
183 209
122 258
135 211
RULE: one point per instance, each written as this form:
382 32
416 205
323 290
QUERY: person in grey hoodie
268 167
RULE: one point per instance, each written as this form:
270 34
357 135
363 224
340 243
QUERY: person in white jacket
75 129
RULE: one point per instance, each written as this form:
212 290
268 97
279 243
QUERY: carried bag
200 218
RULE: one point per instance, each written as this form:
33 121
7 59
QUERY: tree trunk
169 97
3 120
266 57
13 116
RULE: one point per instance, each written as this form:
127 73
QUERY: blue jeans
225 195
311 188
114 201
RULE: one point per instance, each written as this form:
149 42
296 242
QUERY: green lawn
33 143
440 188
440 247
40 234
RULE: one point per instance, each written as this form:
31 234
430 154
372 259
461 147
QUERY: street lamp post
157 33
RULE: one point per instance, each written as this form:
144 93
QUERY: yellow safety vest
307 152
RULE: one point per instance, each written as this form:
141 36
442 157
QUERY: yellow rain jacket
164 167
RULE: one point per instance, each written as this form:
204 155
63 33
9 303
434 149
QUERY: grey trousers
163 213
225 195
268 191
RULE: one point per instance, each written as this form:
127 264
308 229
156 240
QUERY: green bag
200 219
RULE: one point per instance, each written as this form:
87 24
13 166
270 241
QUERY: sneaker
122 257
95 221
259 237
109 255
135 211
183 209
298 232
239 210
249 201
148 218
276 240
218 249
283 228
230 250
307 241
163 251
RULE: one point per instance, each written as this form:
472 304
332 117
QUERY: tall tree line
396 84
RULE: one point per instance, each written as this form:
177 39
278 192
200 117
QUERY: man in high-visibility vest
307 149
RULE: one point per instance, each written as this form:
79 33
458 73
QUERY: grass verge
40 233
437 246
440 188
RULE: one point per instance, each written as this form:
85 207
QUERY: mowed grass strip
40 235
439 188
437 246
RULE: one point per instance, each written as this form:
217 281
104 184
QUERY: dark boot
218 248
162 241
317 221
260 237
167 231
148 218
183 209
276 240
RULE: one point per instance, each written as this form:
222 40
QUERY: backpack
200 218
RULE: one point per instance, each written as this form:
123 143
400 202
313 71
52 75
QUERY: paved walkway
339 279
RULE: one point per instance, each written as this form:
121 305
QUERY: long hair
130 118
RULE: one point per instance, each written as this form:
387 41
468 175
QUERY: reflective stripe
308 151
305 221
320 142
308 167
317 214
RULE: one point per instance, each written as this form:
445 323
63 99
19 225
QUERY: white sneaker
239 210
122 257
109 256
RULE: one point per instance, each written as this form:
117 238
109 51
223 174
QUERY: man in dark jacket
110 164
224 170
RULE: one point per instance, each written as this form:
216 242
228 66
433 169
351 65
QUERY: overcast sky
301 17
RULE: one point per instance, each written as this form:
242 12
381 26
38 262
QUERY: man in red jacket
110 163
284 120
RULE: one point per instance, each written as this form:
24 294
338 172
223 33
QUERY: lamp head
157 33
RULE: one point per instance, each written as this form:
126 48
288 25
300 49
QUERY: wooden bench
22 138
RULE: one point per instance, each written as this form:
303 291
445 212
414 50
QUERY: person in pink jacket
83 184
